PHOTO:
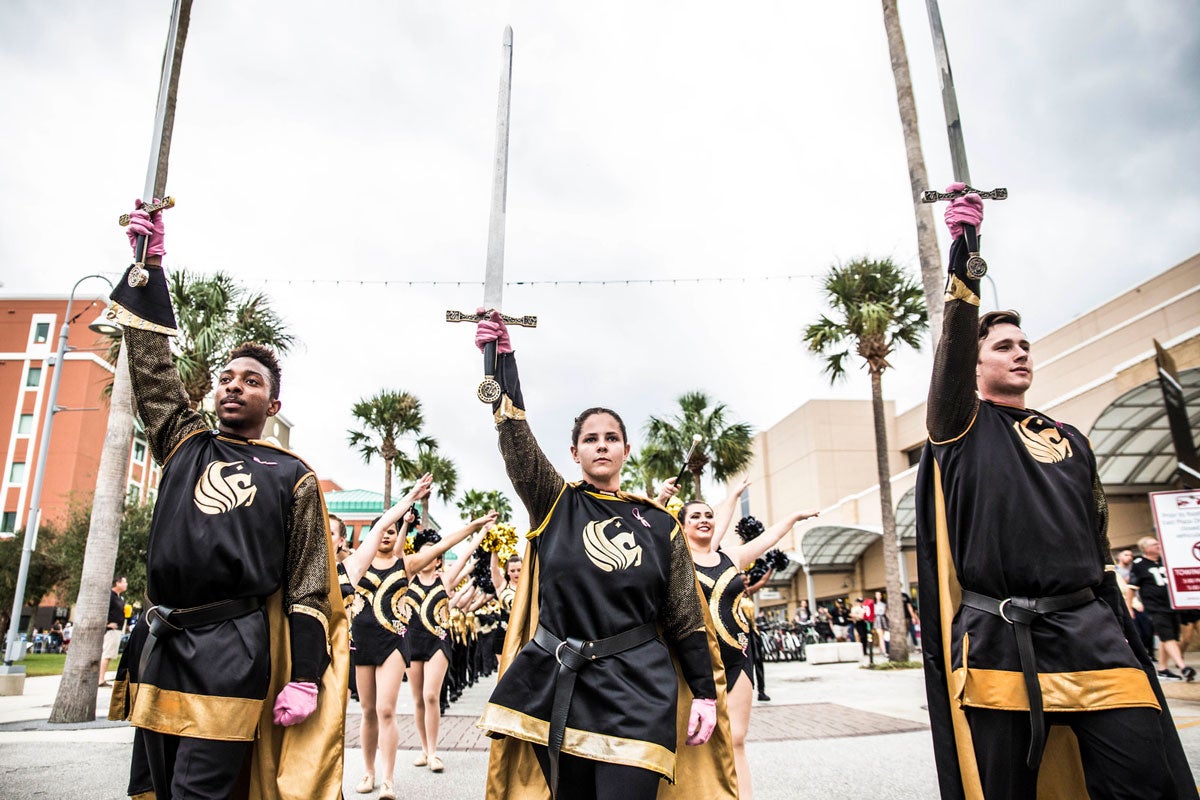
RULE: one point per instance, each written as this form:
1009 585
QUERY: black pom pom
424 537
777 560
757 570
483 576
749 528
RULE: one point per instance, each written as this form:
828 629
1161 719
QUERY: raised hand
967 210
421 489
492 329
142 224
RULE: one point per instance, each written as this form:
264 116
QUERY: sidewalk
819 720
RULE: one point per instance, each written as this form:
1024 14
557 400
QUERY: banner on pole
1177 521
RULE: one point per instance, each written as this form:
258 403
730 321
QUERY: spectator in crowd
840 618
1149 578
803 614
1124 562
858 618
114 627
824 625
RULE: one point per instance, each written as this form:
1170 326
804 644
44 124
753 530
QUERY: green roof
355 501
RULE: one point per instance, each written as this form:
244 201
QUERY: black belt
164 621
1021 613
573 655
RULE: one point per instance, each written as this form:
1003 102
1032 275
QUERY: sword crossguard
933 196
526 321
149 208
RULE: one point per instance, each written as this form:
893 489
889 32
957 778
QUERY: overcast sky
353 142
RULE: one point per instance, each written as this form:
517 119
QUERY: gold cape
705 772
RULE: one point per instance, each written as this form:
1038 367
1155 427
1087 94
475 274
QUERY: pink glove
295 703
702 719
141 224
492 329
966 209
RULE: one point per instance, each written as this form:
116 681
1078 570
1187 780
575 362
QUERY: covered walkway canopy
1132 440
836 548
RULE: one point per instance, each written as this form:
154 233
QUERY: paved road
831 731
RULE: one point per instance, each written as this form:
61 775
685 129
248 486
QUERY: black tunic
724 587
380 622
430 608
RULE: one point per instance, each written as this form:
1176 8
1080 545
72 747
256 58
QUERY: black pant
756 656
584 779
1121 750
192 769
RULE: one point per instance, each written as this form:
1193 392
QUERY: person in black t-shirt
114 627
1148 577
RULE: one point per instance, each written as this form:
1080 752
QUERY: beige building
1097 372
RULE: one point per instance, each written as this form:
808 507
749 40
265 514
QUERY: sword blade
160 112
493 280
958 147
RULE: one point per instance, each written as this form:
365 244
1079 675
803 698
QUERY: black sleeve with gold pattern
953 402
682 615
158 392
535 479
306 594
695 662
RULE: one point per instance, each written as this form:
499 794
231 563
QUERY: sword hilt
526 321
149 208
489 388
933 196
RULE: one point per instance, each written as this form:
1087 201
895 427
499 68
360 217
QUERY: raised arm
465 563
952 399
357 562
744 554
148 320
752 588
724 512
534 478
416 562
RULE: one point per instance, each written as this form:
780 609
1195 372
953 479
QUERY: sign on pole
1177 520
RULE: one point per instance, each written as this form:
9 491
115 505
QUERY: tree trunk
932 272
699 496
76 698
387 483
898 650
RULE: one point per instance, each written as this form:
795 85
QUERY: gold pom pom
674 505
500 539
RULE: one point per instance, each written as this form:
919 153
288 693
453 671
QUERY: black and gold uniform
428 633
599 565
239 564
724 587
1017 608
380 622
505 600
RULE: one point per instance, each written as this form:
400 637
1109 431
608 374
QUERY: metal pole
33 519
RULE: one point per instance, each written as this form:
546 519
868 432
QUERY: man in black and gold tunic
1036 681
236 642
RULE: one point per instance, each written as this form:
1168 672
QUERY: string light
555 282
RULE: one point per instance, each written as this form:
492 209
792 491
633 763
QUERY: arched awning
836 548
1132 441
906 520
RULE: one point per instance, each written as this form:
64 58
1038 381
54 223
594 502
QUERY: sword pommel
526 321
149 208
933 196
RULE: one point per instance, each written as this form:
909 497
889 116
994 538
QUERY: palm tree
76 697
725 446
932 277
429 459
638 474
877 306
388 418
475 503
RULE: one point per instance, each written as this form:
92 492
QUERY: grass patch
39 664
879 665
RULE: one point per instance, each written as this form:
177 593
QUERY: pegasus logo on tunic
1049 445
217 493
611 552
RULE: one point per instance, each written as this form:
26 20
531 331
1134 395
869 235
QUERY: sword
976 267
138 276
493 277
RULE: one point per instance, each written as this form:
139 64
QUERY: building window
41 332
139 451
134 494
25 424
16 473
8 522
34 377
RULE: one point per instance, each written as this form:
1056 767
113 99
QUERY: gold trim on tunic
585 744
1088 690
199 716
957 290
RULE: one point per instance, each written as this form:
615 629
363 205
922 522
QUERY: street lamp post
32 520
